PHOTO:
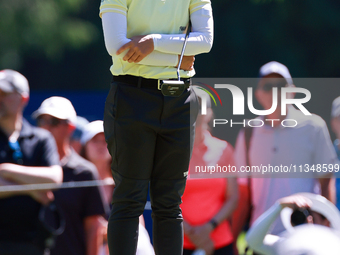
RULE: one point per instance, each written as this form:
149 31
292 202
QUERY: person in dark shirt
28 155
77 133
83 208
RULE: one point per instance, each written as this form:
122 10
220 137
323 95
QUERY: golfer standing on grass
148 133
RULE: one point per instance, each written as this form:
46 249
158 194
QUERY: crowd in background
215 210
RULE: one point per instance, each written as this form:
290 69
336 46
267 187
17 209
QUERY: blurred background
58 45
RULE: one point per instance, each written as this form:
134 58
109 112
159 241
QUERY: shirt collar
26 129
291 114
66 159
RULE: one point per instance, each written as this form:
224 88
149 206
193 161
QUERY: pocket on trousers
111 99
110 115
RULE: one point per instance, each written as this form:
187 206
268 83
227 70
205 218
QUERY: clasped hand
200 237
142 45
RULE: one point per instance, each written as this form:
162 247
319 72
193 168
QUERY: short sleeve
196 5
118 6
324 152
48 151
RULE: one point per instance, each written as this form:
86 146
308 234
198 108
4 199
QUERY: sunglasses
5 94
53 122
269 86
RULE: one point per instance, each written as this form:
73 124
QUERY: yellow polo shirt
151 17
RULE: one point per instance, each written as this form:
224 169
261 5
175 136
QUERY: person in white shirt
297 238
306 144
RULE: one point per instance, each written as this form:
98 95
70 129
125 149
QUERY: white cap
276 67
309 239
90 130
336 108
11 81
58 107
81 123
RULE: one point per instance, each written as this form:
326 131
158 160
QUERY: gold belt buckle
159 85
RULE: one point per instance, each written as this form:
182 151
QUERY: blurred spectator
77 133
208 202
95 150
310 240
335 124
28 155
308 143
268 244
83 208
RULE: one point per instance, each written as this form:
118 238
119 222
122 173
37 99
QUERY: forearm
94 237
31 175
115 36
258 231
230 204
199 41
227 209
94 241
157 58
5 194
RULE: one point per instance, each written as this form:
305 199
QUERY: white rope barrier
64 185
52 186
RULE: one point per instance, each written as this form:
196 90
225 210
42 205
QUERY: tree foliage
302 34
63 39
43 27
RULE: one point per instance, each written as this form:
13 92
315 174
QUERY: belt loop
139 85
